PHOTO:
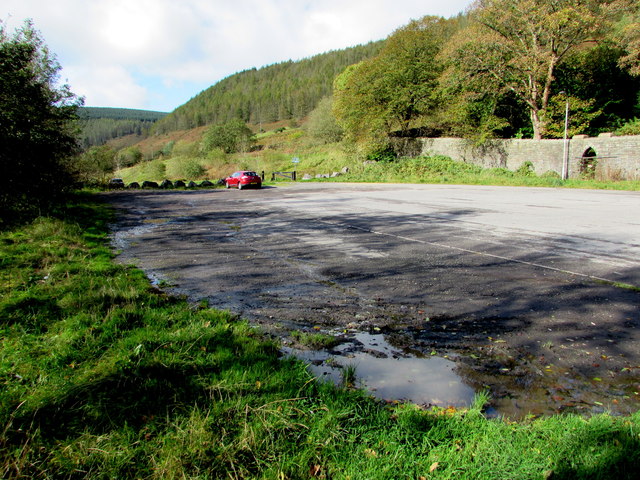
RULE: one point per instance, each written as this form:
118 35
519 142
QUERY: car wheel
239 186
228 186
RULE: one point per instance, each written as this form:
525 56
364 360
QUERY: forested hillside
282 91
508 68
99 125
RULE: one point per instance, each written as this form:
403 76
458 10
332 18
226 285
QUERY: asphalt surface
523 286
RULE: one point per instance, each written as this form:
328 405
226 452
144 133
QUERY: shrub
322 125
526 169
187 168
154 170
192 169
632 127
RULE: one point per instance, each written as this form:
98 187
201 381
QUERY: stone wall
616 158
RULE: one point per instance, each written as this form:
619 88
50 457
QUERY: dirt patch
541 340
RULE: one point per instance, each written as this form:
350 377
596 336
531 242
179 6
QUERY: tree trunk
536 124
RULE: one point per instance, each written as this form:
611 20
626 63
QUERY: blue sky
157 54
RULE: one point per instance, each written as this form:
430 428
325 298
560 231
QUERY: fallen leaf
433 466
315 471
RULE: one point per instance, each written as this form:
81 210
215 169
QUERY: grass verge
443 170
104 376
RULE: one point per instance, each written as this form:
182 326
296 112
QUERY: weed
348 374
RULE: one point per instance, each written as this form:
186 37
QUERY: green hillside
283 91
99 124
93 113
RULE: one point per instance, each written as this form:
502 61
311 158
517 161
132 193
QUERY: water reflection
389 373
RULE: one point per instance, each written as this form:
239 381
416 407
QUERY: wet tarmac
529 294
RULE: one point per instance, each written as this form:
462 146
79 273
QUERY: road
586 232
516 283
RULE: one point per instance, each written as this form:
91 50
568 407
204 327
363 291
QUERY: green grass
443 170
104 376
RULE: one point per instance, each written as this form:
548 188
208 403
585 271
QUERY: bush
192 169
322 125
526 169
128 157
632 127
386 154
154 170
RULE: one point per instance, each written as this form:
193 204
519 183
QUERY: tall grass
104 376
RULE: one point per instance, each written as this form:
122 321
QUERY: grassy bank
104 376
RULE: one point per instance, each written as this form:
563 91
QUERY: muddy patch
368 360
400 366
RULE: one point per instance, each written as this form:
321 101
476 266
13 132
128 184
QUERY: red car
243 179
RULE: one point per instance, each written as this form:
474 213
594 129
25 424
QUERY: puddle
389 373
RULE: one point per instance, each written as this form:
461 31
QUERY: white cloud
132 49
107 86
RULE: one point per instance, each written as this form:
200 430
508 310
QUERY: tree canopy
516 46
395 89
99 124
36 129
231 137
506 68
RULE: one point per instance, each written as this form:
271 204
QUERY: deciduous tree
516 46
629 38
391 91
232 136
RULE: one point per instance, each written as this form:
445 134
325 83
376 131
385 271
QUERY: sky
158 54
